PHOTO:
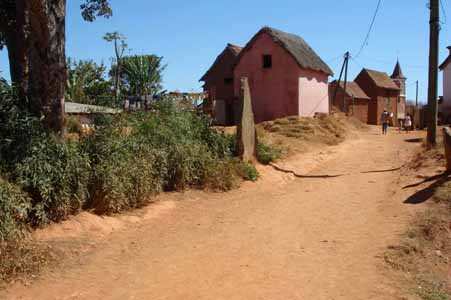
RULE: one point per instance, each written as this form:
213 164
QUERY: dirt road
280 238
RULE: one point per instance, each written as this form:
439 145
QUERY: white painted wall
313 94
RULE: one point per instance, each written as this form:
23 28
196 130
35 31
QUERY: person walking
385 120
408 123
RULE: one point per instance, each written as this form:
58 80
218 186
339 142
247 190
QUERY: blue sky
190 34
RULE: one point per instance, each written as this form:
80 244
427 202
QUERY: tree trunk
19 55
48 61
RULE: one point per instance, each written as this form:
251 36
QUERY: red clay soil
280 238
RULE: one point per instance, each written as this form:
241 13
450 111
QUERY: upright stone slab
246 133
447 143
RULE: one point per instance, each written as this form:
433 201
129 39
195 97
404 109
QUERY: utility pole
345 108
416 98
433 72
343 67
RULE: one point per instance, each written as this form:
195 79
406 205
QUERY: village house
354 102
445 105
385 94
218 85
286 78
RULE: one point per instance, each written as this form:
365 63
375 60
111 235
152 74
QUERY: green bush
14 208
267 154
73 125
55 174
18 130
247 171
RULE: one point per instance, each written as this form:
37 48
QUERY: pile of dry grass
298 134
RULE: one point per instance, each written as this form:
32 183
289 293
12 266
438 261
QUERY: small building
354 102
445 106
286 76
218 85
384 94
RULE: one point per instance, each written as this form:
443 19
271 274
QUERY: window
267 61
228 81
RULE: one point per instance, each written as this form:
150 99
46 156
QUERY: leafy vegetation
86 83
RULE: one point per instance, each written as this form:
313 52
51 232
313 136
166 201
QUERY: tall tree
34 33
119 48
86 82
143 75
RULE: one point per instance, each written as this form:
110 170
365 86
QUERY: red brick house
354 102
286 76
219 85
384 94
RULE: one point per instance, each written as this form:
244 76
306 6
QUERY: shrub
73 125
18 129
125 173
247 171
267 154
14 208
55 174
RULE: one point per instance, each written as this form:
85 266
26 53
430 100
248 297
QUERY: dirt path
281 238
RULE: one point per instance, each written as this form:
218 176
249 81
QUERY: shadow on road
382 171
425 194
415 140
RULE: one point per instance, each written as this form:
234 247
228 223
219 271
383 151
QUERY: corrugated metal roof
80 108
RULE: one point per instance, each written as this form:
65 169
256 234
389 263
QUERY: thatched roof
234 50
352 89
381 79
302 53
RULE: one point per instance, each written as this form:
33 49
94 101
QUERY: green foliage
14 208
136 156
247 171
267 154
17 130
86 83
73 125
55 174
142 74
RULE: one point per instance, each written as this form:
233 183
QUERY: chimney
449 48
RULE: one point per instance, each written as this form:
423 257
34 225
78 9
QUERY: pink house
286 76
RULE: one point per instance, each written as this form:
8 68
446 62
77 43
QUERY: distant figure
401 125
385 120
408 123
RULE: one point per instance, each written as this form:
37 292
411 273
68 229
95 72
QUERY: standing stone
447 142
246 133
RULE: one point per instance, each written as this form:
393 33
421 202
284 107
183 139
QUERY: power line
365 41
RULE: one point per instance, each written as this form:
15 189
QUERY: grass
424 253
293 134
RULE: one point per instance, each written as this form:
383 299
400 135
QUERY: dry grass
297 134
424 253
23 260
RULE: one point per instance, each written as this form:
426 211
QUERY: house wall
274 91
313 93
357 108
218 89
380 99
